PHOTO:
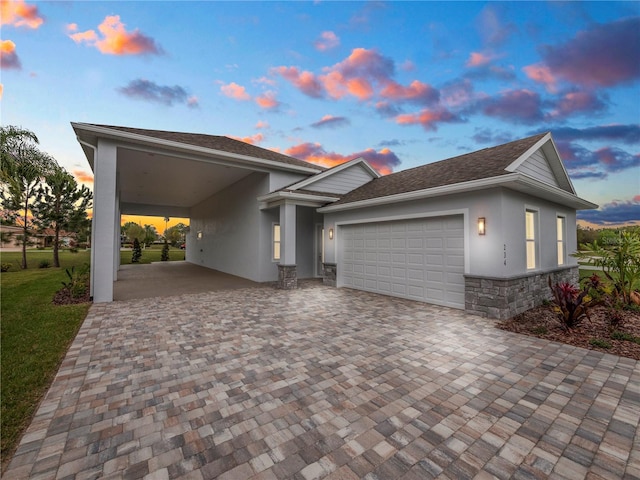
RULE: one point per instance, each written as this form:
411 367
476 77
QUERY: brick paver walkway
326 383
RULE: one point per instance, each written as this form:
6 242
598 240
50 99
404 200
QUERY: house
482 231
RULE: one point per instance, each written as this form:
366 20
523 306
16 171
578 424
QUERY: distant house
12 237
481 232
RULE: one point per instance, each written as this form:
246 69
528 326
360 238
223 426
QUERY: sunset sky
399 83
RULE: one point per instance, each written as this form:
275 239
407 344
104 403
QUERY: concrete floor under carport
164 279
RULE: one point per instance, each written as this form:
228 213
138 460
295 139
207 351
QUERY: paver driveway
323 382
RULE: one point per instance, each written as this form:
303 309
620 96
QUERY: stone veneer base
506 298
287 277
329 274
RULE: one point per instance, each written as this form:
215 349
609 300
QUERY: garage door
421 259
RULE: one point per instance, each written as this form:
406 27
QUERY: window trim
275 242
535 240
561 240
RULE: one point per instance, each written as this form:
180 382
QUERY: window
560 222
276 241
531 219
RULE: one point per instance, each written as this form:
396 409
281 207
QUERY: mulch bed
542 322
64 297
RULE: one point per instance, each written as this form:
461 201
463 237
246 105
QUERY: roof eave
277 198
106 132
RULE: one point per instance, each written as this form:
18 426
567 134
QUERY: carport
159 173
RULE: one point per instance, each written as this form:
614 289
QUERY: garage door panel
421 259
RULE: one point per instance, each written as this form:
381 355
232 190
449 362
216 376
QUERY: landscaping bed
594 333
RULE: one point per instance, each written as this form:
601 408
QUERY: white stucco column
287 274
104 222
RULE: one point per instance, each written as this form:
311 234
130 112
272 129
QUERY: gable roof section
320 180
489 167
204 141
488 162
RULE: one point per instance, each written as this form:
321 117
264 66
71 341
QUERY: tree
22 168
136 252
133 231
150 235
175 235
61 204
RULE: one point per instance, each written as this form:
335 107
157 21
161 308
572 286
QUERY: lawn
35 335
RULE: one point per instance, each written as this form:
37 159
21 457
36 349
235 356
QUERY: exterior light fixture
331 234
199 235
482 225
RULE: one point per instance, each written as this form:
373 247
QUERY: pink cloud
268 100
384 160
429 119
18 13
8 57
253 139
417 92
304 81
327 41
115 40
235 91
262 124
542 74
577 102
83 176
1 90
602 56
477 59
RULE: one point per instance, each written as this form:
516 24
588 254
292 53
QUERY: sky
399 83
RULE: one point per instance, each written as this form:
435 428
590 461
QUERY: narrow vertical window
530 234
276 241
562 249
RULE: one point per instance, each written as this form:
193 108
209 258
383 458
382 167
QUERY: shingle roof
217 142
485 163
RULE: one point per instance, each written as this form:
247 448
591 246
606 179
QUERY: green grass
35 335
152 254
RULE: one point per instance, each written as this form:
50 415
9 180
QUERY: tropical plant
175 235
571 304
619 259
133 231
78 283
22 168
61 204
136 251
150 235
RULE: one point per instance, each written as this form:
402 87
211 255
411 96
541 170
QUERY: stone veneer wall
287 277
329 274
505 298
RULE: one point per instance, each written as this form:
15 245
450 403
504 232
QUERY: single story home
482 231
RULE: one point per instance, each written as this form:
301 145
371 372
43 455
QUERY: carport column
287 276
104 229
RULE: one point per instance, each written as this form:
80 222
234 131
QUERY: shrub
572 304
44 264
5 267
599 342
615 318
165 252
73 250
619 258
136 253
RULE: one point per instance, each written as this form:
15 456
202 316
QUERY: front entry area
419 259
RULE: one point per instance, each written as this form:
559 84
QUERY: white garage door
421 259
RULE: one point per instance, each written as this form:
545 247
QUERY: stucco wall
231 230
499 253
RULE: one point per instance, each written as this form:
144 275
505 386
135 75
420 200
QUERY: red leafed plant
571 305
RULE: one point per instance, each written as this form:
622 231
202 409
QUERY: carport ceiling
157 179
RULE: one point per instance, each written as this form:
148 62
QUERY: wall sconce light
199 235
331 234
482 226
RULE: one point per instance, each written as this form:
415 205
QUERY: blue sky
400 83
